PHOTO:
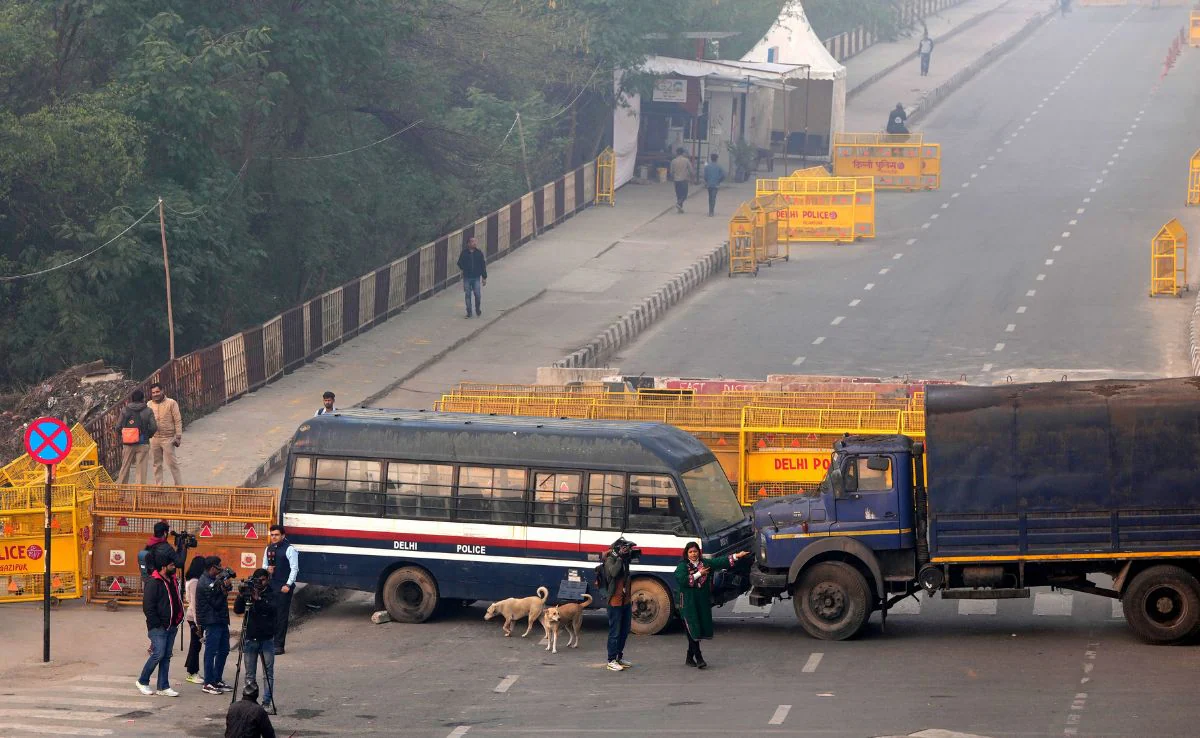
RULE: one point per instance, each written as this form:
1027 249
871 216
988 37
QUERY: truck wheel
651 606
832 601
1162 604
410 595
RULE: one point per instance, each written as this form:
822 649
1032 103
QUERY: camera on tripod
184 540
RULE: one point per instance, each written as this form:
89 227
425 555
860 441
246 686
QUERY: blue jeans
162 642
471 286
216 650
619 620
251 650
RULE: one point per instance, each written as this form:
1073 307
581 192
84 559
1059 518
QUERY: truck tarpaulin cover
1067 466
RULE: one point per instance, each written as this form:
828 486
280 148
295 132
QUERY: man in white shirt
326 405
925 48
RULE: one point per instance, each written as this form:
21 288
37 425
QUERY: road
1060 163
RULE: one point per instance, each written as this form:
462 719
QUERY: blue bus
432 510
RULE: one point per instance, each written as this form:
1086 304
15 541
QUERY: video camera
251 587
226 575
629 551
184 541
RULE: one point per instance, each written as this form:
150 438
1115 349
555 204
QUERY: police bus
433 510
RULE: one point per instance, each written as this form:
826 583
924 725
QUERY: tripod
268 674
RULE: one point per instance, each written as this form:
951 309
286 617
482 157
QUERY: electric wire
15 277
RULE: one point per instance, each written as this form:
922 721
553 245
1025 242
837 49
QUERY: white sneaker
168 692
614 666
143 688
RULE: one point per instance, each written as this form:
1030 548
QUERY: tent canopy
792 41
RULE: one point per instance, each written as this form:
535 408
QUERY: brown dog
515 608
568 615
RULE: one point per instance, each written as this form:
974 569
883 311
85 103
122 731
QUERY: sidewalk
551 296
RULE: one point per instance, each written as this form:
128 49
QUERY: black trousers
693 647
192 663
681 192
283 602
924 64
712 199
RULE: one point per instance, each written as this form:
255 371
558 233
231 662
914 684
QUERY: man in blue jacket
714 175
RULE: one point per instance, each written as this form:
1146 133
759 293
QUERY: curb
636 321
1194 337
969 23
939 93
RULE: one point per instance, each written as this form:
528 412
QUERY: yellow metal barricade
770 225
22 541
741 242
1168 260
606 172
1193 196
24 470
1194 29
894 161
831 209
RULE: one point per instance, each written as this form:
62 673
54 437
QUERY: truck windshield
713 497
828 483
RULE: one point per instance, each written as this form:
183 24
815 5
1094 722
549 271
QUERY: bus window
419 490
654 505
492 495
348 487
556 498
606 501
870 480
300 491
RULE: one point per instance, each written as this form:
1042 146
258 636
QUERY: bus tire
410 595
651 606
832 601
1162 604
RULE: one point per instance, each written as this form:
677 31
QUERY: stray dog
568 615
515 608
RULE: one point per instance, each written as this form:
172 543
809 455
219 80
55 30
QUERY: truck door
868 505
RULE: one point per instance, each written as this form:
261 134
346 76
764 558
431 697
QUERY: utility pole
537 227
162 229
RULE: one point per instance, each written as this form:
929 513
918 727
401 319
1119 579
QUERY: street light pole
162 229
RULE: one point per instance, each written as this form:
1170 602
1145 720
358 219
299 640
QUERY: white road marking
1031 293
87 689
885 270
870 286
926 225
506 682
1010 327
780 715
742 605
1073 222
1117 155
983 166
837 320
910 242
106 678
1104 171
1057 247
992 158
956 194
1092 190
1006 143
79 716
1117 610
819 340
49 730
1120 148
1041 277
798 361
935 216
974 175
459 732
814 660
977 607
1021 310
1052 603
1100 181
75 701
898 255
945 205
1049 262
1109 163
854 302
1080 211
999 347
1066 234
986 368
1087 199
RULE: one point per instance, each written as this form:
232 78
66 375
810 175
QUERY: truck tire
1162 604
410 595
832 601
651 606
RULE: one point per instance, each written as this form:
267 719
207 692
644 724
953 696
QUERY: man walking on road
136 427
473 266
163 608
681 173
714 175
925 48
283 564
168 436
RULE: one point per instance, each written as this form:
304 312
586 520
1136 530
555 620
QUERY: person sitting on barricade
897 120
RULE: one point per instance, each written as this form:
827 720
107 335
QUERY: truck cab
842 550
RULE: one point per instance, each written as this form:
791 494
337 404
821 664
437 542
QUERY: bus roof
421 435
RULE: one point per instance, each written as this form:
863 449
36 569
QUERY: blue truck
1030 485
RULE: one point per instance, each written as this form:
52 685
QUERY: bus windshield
713 497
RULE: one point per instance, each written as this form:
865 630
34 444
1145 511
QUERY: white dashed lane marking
977 607
1021 309
999 347
1010 327
1052 603
819 340
837 320
798 361
855 302
506 683
814 660
780 715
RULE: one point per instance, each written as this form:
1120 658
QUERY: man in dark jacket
134 429
246 718
897 119
473 266
618 601
257 604
283 565
159 550
212 614
163 608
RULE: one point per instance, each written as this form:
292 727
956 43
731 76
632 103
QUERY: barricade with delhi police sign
230 522
894 161
22 543
823 208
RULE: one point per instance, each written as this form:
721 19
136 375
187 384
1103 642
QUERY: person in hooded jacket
616 587
135 427
163 608
897 120
694 576
159 550
190 583
248 719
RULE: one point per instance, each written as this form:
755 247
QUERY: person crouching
694 576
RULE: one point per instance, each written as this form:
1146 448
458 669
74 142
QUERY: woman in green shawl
694 575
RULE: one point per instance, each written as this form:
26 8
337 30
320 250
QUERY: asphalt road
1060 162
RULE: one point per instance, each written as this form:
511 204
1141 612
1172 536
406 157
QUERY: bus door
491 513
555 510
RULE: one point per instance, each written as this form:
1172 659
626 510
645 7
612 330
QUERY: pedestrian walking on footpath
473 266
283 564
190 583
163 608
327 405
135 427
714 175
167 437
212 613
1064 6
257 604
614 581
925 48
246 718
681 173
694 575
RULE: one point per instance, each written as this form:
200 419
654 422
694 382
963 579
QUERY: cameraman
616 587
212 614
256 602
159 551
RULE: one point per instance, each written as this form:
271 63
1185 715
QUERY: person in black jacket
257 603
246 718
897 120
163 608
473 266
212 614
134 429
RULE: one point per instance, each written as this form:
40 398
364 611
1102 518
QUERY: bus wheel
832 601
651 606
410 595
1162 604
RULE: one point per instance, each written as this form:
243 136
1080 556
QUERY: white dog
515 608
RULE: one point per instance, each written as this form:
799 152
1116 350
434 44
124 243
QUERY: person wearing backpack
158 551
135 427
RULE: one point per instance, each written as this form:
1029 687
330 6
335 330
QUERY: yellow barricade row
1194 29
1168 260
837 209
893 161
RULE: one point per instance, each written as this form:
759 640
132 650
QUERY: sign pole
47 441
46 578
